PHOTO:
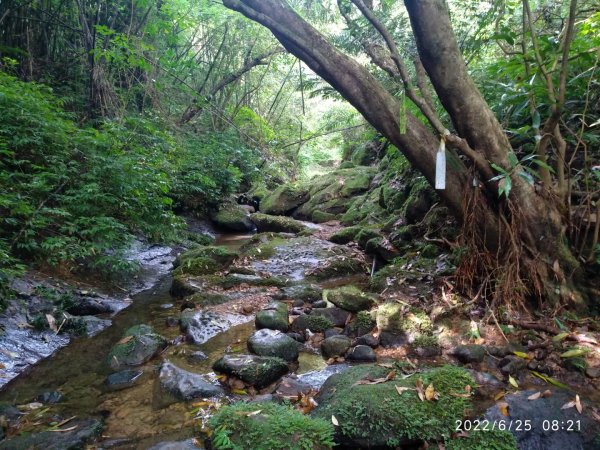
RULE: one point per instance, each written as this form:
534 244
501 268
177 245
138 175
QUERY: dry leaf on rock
503 406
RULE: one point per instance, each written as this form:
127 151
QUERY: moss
207 299
200 238
356 183
484 440
362 324
312 322
347 165
349 298
394 317
234 279
221 256
419 201
372 415
322 217
430 251
365 235
430 344
232 217
266 222
284 199
263 245
339 267
345 235
239 426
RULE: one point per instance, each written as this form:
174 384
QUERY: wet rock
204 260
267 222
296 336
93 325
197 356
89 306
182 286
181 385
540 367
123 379
308 293
345 235
386 416
139 344
298 303
290 387
320 304
361 353
284 199
350 298
9 412
258 371
171 322
426 346
550 426
274 317
49 397
233 217
316 378
200 326
267 342
85 431
188 444
487 379
236 279
335 346
337 316
470 353
367 339
511 365
333 332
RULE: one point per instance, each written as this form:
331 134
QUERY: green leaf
536 119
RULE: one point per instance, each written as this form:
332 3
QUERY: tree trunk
523 235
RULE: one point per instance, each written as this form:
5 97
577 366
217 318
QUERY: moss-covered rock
204 299
268 342
274 317
240 427
203 260
266 222
257 371
284 199
308 293
322 217
376 415
312 322
139 344
365 235
426 346
336 345
345 235
419 202
362 324
483 440
350 298
233 217
383 248
397 318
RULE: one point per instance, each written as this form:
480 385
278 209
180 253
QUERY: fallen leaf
534 396
522 355
239 391
468 388
254 413
568 405
574 353
578 405
419 389
390 376
499 395
401 389
430 393
546 393
503 406
51 322
125 340
334 421
64 430
549 380
560 337
513 382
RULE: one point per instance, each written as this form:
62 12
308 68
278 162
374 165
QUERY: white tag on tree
440 166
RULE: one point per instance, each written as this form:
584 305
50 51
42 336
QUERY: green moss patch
266 222
268 426
484 440
345 235
284 199
349 298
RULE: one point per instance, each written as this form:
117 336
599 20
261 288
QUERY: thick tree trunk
524 234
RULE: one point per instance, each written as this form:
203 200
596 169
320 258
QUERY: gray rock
297 337
320 304
267 342
291 387
139 345
388 339
571 429
335 346
49 397
350 298
308 293
188 444
197 356
361 353
593 372
89 306
258 371
367 339
181 385
469 353
511 365
274 317
333 332
200 326
123 379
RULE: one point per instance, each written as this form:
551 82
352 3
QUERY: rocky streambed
282 340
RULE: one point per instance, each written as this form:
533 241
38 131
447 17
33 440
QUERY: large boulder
313 322
258 371
335 346
74 435
274 317
233 217
337 316
266 222
176 384
138 345
308 293
396 318
284 199
200 326
268 342
381 416
350 298
204 260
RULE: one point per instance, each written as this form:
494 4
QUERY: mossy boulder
345 235
76 435
365 235
267 222
396 318
350 298
337 316
312 322
420 200
334 346
308 293
362 324
138 345
426 346
322 216
257 371
376 415
268 342
273 317
204 299
176 384
236 279
204 260
488 439
284 199
383 248
239 426
233 217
